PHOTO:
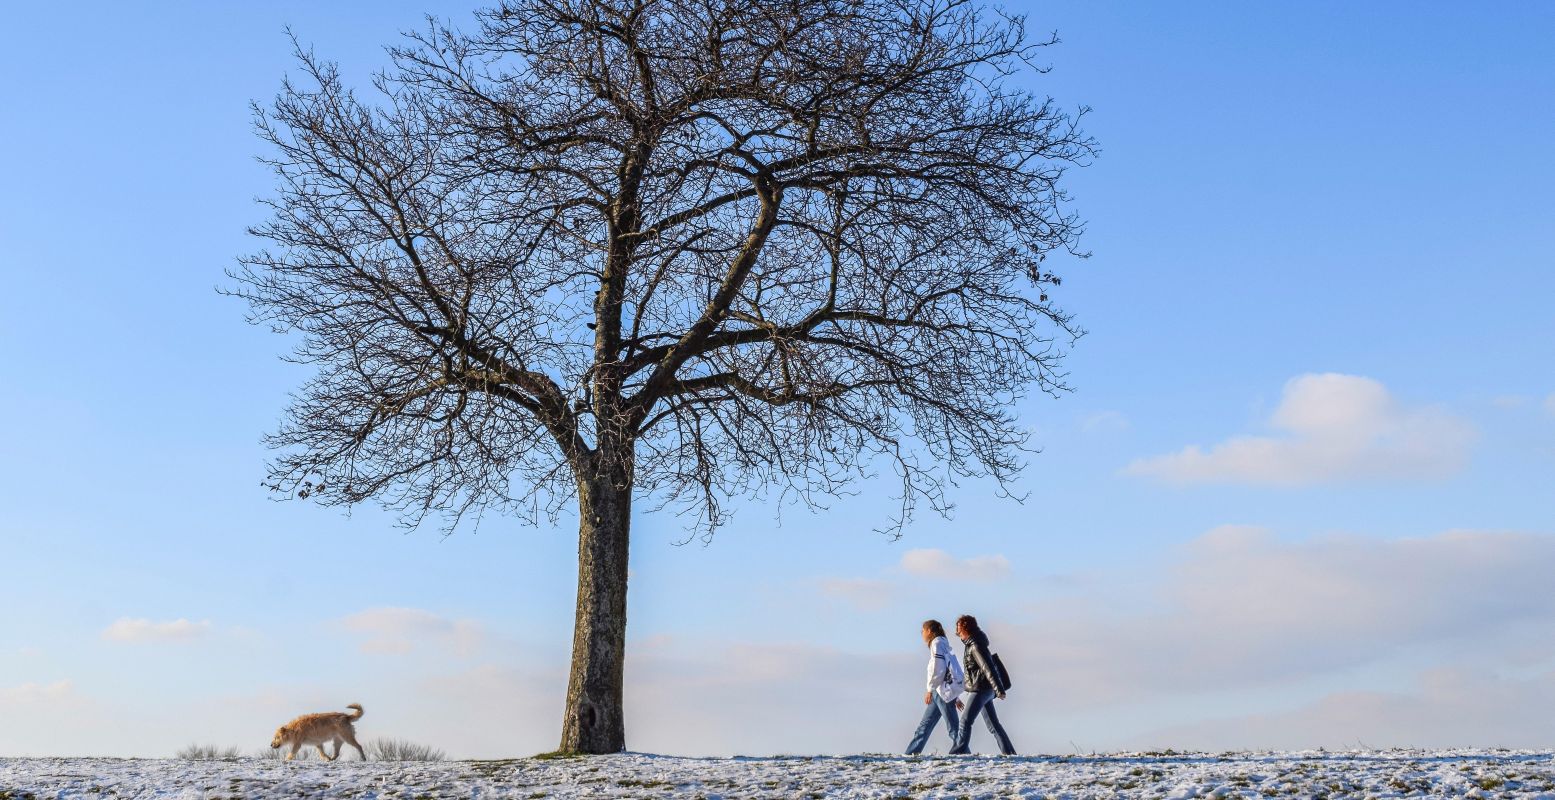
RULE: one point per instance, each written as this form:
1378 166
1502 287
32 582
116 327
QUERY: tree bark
593 721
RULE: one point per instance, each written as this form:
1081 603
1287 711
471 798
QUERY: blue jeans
931 715
981 703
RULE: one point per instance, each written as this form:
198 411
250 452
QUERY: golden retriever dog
316 729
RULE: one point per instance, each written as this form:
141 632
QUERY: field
1390 773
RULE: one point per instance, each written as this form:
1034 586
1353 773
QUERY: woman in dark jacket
982 685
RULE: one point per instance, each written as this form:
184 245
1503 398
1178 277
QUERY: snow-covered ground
1390 773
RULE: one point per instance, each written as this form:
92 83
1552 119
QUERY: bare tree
684 250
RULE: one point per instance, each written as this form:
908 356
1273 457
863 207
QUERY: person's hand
999 695
928 697
960 705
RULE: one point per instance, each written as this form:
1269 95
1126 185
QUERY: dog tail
358 714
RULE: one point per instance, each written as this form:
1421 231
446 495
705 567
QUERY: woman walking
982 682
946 682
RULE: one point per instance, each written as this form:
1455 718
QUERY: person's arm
936 669
985 664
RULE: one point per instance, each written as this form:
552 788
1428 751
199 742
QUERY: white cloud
1109 421
403 630
491 710
1336 427
51 718
933 563
29 693
1441 707
699 698
126 629
867 594
1242 609
880 594
1239 638
1237 621
1509 401
683 696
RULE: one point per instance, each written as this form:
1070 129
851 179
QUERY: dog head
280 737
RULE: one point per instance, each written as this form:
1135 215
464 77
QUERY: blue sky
1323 244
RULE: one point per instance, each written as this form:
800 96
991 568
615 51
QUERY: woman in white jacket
946 682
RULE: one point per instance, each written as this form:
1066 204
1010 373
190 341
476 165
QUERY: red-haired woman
982 682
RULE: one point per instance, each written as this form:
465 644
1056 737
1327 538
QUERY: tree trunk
593 721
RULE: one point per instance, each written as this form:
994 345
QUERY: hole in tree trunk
586 716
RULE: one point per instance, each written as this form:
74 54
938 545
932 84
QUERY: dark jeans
931 714
981 703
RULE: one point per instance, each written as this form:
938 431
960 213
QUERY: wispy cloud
868 594
1335 427
126 629
1239 621
1549 404
933 563
36 692
1440 707
403 630
1242 608
879 593
780 683
1104 421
